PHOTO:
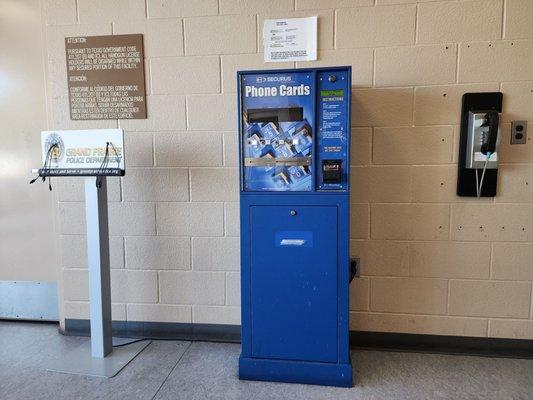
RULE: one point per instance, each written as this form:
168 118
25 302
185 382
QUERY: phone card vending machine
294 133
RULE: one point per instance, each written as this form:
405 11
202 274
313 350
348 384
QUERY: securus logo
272 78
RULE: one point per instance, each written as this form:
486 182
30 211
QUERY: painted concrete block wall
433 263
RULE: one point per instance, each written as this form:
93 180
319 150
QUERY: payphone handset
491 138
483 139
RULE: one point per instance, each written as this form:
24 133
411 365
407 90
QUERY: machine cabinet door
294 282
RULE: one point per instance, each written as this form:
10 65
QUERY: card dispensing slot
332 171
287 114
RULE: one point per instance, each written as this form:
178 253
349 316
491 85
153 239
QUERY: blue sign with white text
294 131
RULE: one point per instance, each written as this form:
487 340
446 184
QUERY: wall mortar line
504 16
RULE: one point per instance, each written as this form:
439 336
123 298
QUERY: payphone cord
479 184
46 166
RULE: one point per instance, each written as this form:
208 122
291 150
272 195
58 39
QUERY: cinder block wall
432 262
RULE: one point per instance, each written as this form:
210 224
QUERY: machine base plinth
79 361
312 373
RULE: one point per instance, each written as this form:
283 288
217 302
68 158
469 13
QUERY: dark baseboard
493 347
478 346
161 330
29 321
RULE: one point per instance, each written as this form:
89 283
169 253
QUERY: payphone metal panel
294 147
475 106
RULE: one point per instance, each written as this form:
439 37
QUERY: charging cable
47 164
105 163
479 184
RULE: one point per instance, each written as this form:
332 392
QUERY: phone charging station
94 155
294 132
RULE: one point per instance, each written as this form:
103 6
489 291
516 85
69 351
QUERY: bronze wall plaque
106 77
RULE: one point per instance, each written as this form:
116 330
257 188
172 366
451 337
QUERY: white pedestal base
79 361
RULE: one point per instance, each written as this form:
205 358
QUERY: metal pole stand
100 360
99 266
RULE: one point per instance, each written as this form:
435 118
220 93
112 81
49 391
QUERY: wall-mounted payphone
478 145
294 135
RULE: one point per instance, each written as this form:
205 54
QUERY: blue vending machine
294 135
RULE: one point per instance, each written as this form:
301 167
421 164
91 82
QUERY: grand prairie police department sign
77 152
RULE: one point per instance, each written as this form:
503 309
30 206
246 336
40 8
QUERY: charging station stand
95 358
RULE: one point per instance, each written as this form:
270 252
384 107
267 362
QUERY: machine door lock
331 171
292 212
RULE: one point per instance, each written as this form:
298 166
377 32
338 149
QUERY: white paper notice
290 39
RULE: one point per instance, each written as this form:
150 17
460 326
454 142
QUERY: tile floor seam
172 370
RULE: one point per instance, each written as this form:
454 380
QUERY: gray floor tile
23 375
209 371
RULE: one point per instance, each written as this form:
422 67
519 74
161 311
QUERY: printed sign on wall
293 39
106 77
